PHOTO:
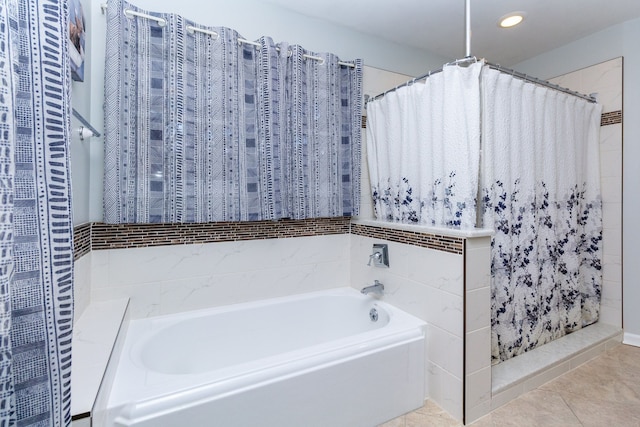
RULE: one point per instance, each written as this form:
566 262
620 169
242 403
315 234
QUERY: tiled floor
604 392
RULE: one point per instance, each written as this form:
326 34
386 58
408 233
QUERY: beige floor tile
595 382
430 415
396 422
536 408
604 392
597 413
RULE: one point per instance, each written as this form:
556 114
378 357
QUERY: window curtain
541 195
423 143
203 128
36 254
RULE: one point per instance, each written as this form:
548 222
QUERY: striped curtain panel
36 254
202 128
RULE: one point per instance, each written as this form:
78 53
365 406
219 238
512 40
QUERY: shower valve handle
374 257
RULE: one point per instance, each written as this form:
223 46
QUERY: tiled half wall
171 268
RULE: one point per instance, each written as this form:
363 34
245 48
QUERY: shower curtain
203 128
36 254
423 143
537 177
541 195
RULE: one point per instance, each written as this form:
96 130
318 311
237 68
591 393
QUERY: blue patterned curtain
202 128
36 258
541 195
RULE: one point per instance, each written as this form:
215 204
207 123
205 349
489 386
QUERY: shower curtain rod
498 67
191 29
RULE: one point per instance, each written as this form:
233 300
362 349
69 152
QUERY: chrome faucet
376 288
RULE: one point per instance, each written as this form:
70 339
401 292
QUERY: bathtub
330 358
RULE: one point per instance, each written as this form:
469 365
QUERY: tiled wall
426 277
427 283
477 268
172 268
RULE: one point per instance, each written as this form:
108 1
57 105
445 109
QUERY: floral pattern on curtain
203 128
36 244
423 143
541 195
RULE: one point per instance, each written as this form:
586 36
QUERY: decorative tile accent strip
364 122
611 118
81 240
119 236
426 240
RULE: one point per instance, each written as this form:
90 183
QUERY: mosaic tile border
100 236
81 240
120 236
438 242
611 118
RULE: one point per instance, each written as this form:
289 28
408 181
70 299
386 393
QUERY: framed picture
77 28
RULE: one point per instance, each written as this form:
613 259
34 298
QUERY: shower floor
520 374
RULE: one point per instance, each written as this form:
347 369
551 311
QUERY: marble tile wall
477 351
427 283
170 279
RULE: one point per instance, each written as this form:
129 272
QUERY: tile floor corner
602 392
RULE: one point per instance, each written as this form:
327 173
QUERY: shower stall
487 386
477 146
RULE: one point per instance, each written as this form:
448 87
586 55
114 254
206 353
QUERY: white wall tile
408 295
478 242
612 241
445 350
477 412
478 387
612 215
478 268
144 298
478 309
451 389
437 269
611 267
611 138
100 268
168 279
81 285
217 290
611 163
445 389
611 189
478 349
445 311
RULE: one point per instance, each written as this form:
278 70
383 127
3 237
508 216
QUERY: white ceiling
438 26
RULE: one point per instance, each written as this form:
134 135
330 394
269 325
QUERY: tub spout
376 288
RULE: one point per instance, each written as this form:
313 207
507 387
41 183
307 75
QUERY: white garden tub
317 359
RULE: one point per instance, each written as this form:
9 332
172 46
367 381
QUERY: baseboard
631 339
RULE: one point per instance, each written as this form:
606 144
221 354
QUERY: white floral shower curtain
538 178
423 144
36 243
541 195
202 127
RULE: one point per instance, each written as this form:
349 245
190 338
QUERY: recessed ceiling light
511 19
